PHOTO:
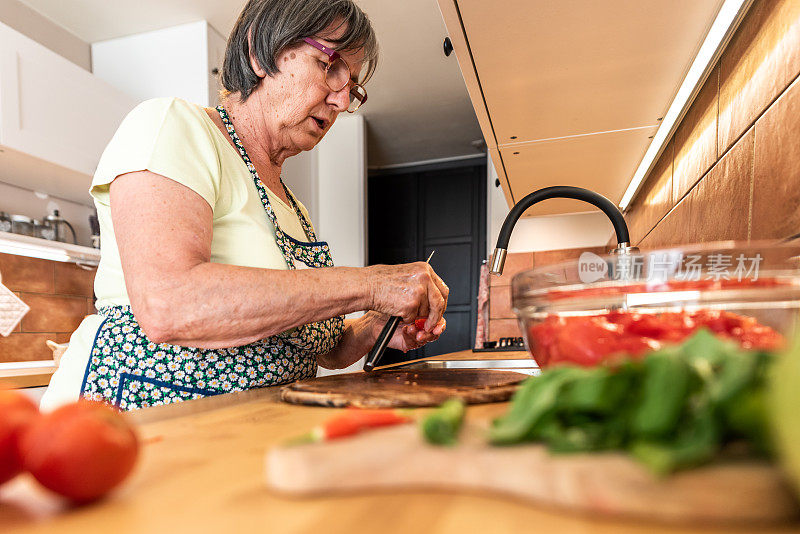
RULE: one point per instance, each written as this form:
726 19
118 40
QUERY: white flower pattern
131 371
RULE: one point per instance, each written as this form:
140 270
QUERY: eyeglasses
337 76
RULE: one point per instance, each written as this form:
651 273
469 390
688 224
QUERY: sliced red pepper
351 422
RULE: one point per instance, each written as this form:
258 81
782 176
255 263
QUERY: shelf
34 247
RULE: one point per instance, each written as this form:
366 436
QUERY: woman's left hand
408 336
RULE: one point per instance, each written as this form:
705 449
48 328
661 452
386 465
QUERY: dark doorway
415 210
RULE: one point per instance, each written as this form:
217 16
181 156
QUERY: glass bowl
597 307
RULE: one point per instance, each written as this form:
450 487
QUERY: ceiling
570 92
418 105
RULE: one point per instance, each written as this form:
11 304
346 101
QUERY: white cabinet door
52 109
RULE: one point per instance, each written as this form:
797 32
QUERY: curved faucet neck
561 191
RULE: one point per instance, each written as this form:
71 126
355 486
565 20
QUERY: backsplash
59 294
732 168
502 321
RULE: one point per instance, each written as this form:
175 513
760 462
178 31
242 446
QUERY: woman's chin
308 141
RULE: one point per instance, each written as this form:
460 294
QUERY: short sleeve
166 136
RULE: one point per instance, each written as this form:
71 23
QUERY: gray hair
276 24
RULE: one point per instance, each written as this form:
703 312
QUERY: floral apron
130 371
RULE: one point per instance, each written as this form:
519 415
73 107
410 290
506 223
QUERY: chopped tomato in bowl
644 300
590 340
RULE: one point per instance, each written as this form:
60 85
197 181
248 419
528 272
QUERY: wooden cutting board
608 484
395 388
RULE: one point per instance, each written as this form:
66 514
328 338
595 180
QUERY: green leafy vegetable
674 409
664 388
441 426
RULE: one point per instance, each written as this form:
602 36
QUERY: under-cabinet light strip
47 250
34 252
729 16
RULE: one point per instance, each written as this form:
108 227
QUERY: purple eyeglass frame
333 55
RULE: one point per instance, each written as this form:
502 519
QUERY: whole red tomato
420 323
81 450
17 412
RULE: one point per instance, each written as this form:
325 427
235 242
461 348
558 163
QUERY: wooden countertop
26 378
202 469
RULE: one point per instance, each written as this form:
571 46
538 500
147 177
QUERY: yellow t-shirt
177 139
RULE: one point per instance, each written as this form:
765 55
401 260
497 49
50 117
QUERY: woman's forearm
213 305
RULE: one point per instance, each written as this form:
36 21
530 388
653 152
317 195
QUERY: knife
383 338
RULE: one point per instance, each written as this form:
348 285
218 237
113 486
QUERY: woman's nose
341 99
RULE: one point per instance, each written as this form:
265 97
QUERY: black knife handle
380 344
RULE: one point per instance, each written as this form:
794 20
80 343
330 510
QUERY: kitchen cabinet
569 93
55 118
182 61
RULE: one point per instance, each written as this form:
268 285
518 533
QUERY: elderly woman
212 279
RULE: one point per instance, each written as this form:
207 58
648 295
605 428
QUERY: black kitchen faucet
560 191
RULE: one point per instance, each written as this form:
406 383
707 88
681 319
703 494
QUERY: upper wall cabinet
182 61
55 118
569 92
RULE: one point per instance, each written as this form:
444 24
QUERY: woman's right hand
409 290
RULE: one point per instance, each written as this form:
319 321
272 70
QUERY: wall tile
503 328
696 139
25 347
719 206
654 200
20 273
551 257
73 280
776 179
62 337
753 191
673 229
51 313
758 64
500 302
515 262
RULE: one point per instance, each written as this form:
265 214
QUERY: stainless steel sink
525 366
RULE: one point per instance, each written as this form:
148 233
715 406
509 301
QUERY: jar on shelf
44 231
22 225
5 222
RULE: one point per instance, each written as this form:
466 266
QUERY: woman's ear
254 64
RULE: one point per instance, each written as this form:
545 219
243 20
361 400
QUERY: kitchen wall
732 168
59 294
21 201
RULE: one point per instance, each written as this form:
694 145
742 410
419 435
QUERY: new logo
591 268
